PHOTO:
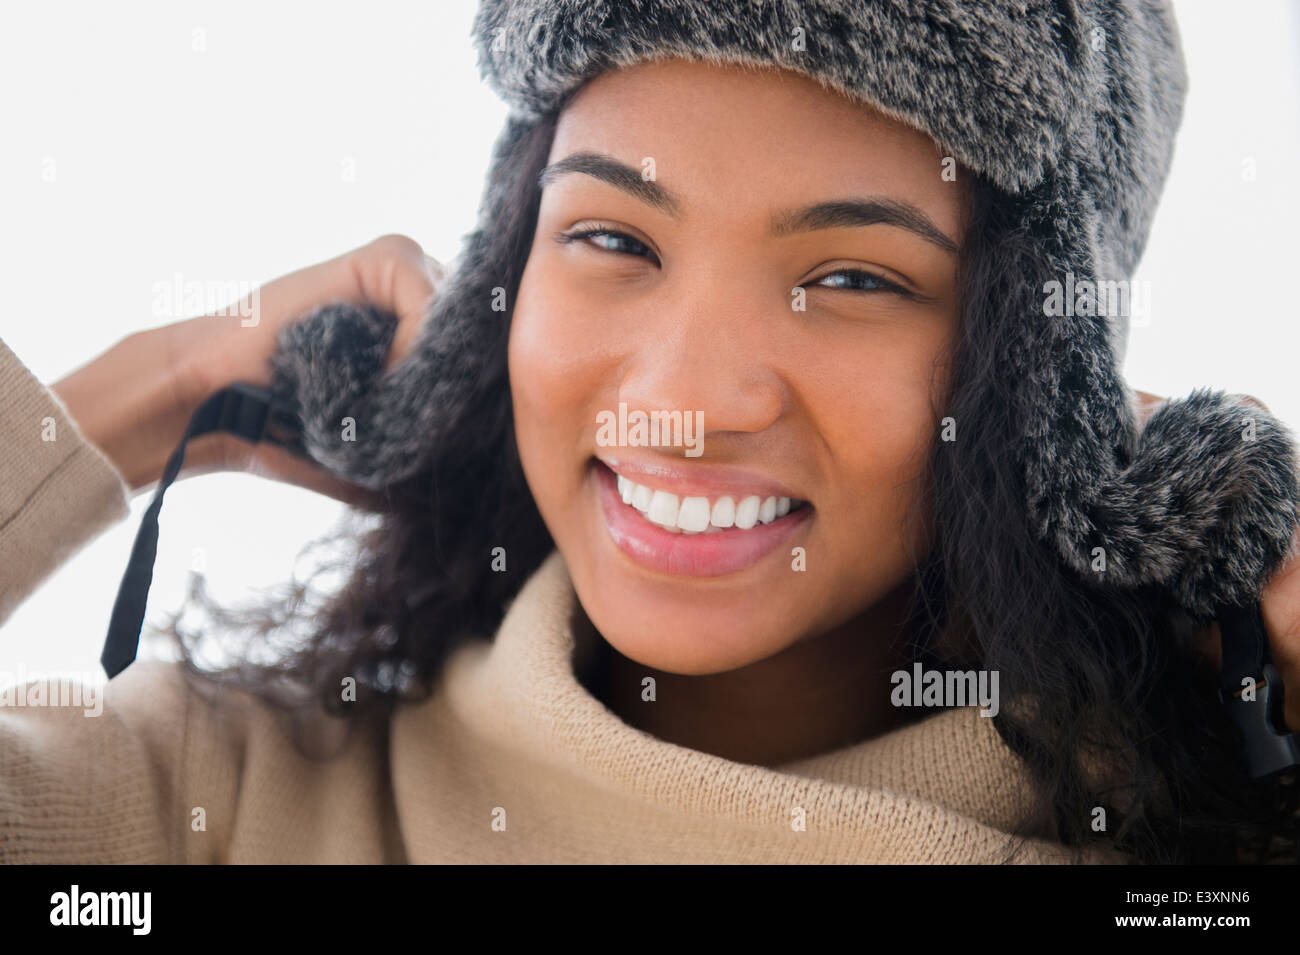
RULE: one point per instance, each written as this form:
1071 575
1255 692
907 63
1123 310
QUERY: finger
293 295
390 273
1280 609
1209 643
1251 400
1146 406
221 452
1279 604
436 270
277 464
395 274
238 340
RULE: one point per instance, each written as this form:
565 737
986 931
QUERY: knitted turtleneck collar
522 734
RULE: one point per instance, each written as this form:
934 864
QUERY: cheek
542 355
561 341
879 434
556 376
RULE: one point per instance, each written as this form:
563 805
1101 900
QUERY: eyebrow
835 214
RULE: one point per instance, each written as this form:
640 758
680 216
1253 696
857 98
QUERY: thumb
1146 406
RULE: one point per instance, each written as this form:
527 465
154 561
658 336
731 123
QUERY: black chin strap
246 411
1269 748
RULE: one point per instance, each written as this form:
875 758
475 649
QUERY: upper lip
698 480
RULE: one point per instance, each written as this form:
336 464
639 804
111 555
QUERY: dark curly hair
1121 709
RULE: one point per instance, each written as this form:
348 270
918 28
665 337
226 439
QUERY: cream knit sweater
510 760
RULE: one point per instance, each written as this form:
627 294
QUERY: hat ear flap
326 368
1203 502
1215 478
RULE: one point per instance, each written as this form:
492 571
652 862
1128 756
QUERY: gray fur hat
1068 106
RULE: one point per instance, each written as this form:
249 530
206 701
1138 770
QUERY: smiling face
810 346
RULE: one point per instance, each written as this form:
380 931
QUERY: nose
713 349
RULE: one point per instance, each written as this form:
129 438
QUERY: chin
691 637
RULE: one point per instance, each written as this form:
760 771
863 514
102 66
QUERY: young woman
556 646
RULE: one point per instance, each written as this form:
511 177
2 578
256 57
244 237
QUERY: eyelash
883 284
571 237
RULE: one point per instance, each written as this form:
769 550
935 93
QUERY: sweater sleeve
154 771
58 491
89 772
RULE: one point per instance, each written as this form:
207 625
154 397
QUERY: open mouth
702 514
695 535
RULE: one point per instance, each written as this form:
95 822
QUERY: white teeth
663 509
724 513
696 515
747 513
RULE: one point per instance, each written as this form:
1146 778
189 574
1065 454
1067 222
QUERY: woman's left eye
858 280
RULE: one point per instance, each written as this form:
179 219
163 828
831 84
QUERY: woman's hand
1279 605
135 400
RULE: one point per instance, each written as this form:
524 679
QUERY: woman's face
716 293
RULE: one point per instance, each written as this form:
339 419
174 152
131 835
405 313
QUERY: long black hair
1112 708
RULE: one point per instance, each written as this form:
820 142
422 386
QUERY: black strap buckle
1269 747
244 410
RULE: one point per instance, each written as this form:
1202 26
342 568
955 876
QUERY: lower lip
688 555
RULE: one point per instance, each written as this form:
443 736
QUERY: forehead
734 140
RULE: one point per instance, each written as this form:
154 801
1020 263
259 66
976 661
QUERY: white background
214 140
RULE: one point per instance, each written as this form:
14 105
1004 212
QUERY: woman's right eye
619 243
